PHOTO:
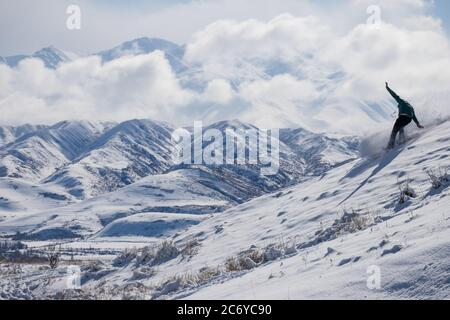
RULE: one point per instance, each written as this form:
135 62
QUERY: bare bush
125 257
349 222
232 264
352 222
406 191
187 280
206 274
53 260
190 249
150 255
165 252
251 258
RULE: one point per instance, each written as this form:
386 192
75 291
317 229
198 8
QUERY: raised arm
393 94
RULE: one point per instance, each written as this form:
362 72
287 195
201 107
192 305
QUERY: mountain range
75 163
53 57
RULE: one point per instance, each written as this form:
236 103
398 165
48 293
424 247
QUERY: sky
320 65
27 25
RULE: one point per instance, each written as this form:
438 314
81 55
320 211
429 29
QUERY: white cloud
218 91
410 58
130 87
285 71
284 37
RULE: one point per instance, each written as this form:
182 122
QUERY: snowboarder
405 115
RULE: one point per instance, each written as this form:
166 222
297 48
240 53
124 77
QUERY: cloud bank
287 71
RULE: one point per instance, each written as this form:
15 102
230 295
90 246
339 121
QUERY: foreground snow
316 240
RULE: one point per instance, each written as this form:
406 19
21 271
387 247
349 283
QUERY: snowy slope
19 198
179 192
319 237
409 242
316 239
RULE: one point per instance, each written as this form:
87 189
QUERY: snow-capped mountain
291 166
10 133
89 159
51 56
116 171
120 156
38 154
173 52
321 152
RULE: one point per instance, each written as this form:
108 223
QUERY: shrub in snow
232 265
150 255
165 252
349 222
256 255
206 274
132 291
53 260
94 266
125 257
352 222
406 192
359 223
239 263
190 249
438 178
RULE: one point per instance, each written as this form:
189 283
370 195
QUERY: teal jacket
404 108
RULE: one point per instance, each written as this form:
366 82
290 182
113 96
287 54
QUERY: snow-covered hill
184 192
21 198
114 171
321 238
326 232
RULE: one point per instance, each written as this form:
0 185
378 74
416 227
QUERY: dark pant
399 126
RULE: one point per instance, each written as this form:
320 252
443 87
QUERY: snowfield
366 227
